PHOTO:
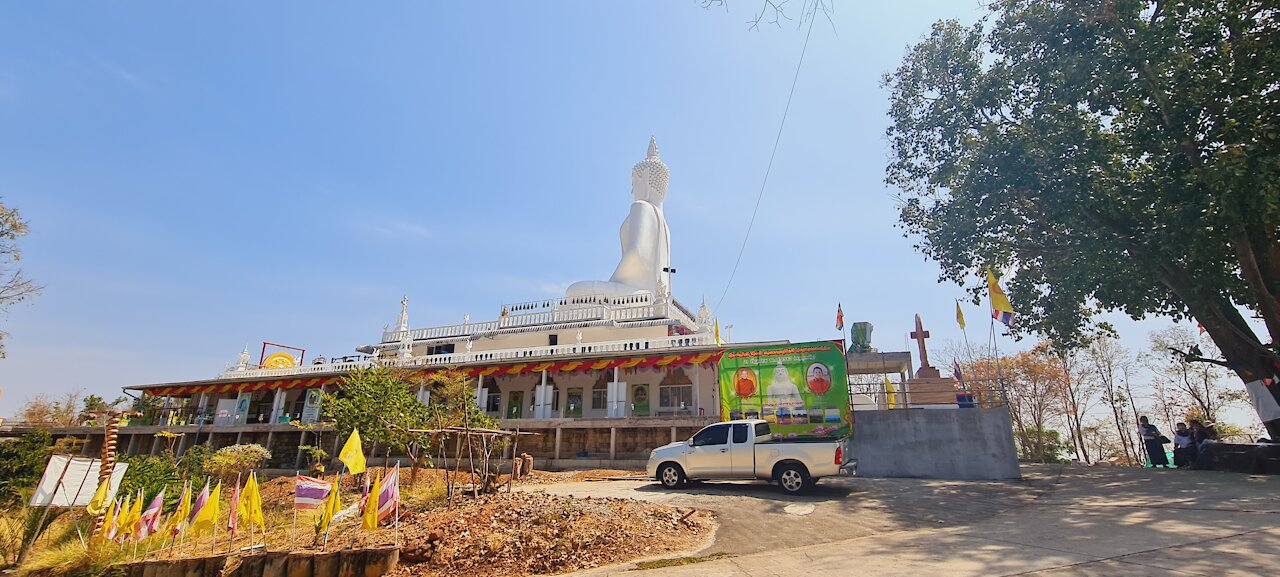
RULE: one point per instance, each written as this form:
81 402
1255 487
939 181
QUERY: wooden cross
920 335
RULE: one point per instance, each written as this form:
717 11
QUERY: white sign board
79 481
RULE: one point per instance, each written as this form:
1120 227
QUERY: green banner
801 389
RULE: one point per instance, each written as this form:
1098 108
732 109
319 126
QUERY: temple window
675 398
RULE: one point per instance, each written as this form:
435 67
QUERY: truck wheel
793 479
671 476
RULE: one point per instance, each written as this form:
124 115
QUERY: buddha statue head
649 176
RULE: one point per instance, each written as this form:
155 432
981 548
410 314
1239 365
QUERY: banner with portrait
800 389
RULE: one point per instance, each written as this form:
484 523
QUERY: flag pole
337 487
293 535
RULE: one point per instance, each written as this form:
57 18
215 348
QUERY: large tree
1112 155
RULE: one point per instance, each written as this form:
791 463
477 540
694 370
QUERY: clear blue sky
201 177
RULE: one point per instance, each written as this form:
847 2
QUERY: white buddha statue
782 390
646 240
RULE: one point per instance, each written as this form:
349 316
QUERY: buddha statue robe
645 238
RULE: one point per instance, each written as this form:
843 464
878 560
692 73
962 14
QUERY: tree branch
1190 358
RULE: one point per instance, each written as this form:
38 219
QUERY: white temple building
605 373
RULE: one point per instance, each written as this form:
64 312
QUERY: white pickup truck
746 449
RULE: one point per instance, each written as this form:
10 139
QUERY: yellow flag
174 525
129 520
109 521
208 515
959 316
250 507
99 502
332 504
370 519
1001 309
891 396
353 454
718 341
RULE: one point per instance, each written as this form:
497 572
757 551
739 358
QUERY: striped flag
390 495
201 500
1001 309
955 372
233 512
150 521
839 317
309 492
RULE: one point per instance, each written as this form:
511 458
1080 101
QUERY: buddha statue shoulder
645 238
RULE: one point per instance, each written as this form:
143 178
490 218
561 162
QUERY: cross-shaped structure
926 370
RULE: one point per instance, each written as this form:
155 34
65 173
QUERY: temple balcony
486 356
585 309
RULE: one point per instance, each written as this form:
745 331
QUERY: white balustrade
500 355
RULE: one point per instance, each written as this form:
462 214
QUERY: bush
151 475
191 465
22 462
235 460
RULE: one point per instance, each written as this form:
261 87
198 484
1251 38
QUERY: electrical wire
769 167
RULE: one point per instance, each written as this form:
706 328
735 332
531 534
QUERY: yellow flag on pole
109 520
174 525
250 507
99 502
208 515
959 316
353 454
718 341
332 504
370 518
1001 309
891 396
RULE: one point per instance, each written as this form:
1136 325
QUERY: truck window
762 429
713 435
740 433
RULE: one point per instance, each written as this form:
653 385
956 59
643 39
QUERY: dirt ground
538 534
505 533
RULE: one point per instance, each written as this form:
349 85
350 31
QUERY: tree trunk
1244 353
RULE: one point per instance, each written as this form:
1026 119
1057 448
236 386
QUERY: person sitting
1184 447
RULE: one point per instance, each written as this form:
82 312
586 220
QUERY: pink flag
150 521
232 512
390 494
201 500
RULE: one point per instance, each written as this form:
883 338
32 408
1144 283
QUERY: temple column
613 443
673 434
182 445
697 392
133 442
277 404
239 436
557 443
480 393
302 440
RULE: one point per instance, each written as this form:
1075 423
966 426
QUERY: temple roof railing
489 356
554 311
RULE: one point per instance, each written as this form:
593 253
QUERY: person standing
1154 442
1184 447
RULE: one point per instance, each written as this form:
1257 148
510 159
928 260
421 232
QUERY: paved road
1058 522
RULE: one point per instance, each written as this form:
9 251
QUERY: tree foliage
14 287
22 461
381 405
229 462
52 412
1200 383
1114 155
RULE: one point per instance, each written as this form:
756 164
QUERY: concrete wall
935 444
